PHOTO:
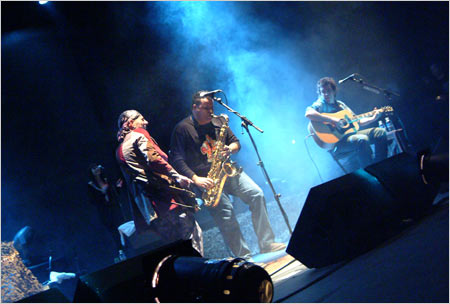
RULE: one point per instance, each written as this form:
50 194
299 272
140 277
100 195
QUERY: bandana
122 123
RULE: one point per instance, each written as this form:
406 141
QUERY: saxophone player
192 148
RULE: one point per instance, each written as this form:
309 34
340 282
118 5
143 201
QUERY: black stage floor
410 267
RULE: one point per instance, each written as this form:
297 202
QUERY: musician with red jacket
359 141
147 174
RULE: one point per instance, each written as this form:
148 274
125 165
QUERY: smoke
267 57
228 46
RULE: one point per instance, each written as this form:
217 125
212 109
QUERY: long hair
122 123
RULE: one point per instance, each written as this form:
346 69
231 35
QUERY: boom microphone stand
370 87
245 123
402 142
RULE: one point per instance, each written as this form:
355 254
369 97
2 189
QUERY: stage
72 67
410 267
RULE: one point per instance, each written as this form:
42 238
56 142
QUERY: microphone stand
403 144
245 123
375 89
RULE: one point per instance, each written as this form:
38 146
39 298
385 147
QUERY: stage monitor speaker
128 281
350 215
51 295
401 176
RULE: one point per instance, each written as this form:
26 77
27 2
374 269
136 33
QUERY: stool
336 159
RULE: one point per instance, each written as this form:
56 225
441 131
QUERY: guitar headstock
386 110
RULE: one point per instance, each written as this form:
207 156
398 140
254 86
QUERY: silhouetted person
437 94
104 196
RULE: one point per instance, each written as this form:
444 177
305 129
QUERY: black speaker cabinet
400 175
350 215
128 281
51 295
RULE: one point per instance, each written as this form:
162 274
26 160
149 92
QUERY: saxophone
221 168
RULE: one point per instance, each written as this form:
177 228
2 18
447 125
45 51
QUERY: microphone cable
312 160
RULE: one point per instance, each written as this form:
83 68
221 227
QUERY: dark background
70 68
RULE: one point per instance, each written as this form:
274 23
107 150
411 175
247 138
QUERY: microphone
352 77
206 93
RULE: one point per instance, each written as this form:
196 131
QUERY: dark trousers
359 143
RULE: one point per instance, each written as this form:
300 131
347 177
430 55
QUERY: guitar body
326 135
329 134
320 143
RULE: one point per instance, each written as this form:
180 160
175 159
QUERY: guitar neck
360 116
371 113
326 135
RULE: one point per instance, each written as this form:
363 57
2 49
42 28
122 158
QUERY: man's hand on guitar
203 182
184 181
335 121
377 113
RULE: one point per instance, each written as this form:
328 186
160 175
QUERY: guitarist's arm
368 120
314 115
157 163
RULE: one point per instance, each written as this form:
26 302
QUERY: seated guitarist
143 164
353 139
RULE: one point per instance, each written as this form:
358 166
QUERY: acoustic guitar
326 135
